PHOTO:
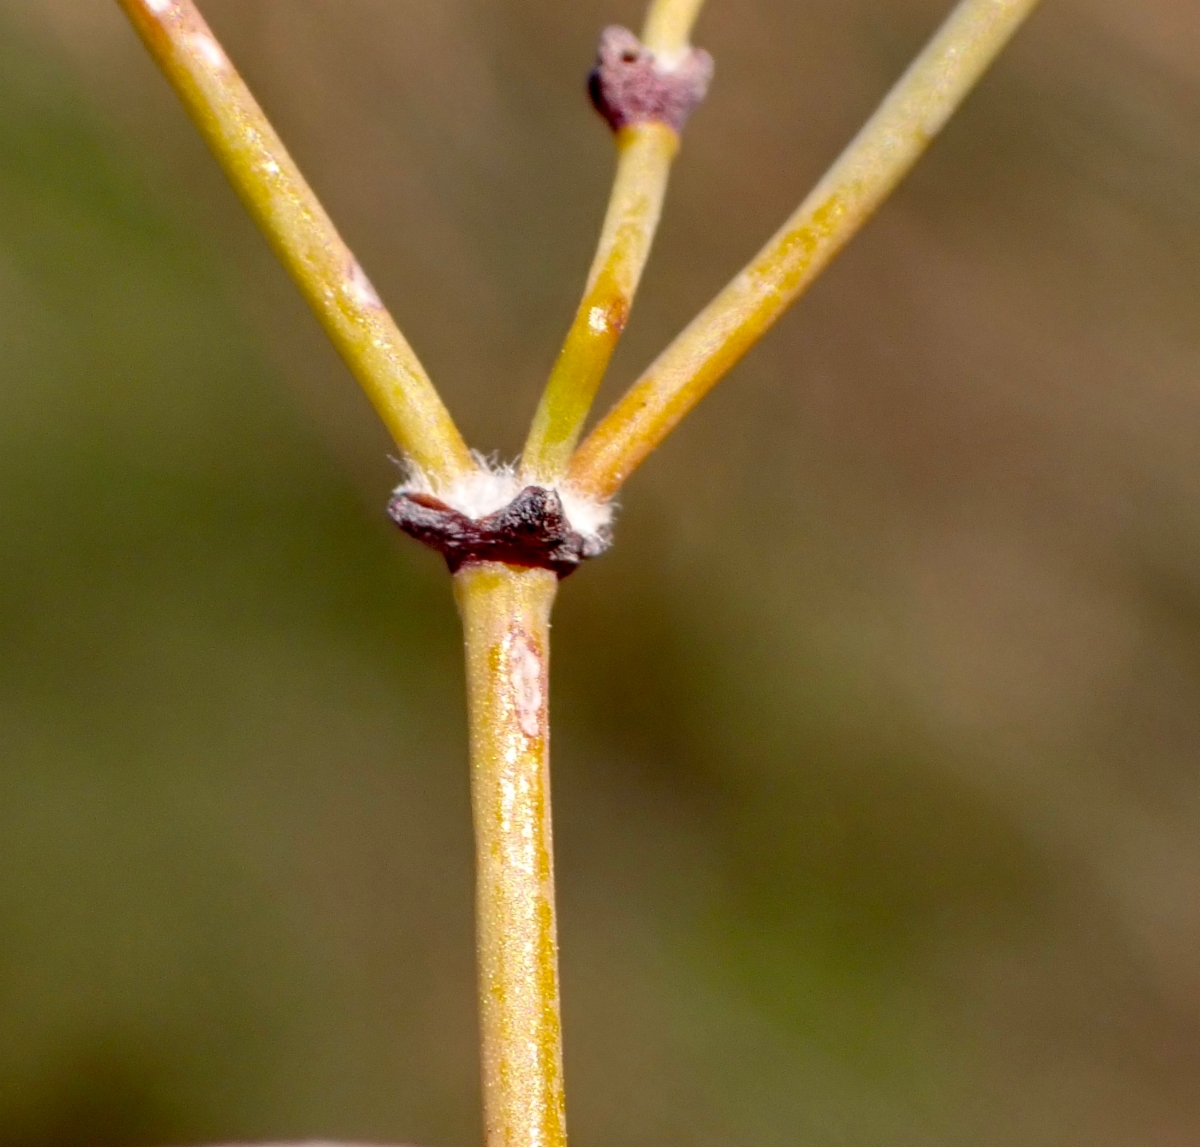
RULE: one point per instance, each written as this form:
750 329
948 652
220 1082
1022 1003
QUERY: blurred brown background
877 735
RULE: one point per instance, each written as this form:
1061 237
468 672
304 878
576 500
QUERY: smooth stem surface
669 24
883 152
302 235
645 152
644 159
506 622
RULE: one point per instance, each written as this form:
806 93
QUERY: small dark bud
630 84
532 530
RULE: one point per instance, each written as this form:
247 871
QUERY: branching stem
302 235
506 622
506 608
883 152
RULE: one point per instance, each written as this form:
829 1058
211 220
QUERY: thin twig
645 152
302 235
883 152
669 24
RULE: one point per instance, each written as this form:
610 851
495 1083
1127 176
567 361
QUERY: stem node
631 84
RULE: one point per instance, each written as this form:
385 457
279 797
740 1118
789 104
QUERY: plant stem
644 155
301 234
883 152
506 622
645 151
669 24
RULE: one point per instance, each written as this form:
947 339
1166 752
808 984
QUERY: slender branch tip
669 24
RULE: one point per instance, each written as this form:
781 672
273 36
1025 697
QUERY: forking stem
876 160
506 609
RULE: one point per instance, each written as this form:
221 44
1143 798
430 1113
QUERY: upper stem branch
645 152
883 152
669 24
646 148
301 233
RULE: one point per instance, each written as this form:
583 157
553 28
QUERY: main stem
506 622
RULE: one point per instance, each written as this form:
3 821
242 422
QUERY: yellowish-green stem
644 159
669 24
301 233
506 622
505 609
644 155
878 158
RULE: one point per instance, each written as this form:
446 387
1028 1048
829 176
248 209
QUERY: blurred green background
878 733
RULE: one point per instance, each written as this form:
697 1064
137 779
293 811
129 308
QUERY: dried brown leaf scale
531 531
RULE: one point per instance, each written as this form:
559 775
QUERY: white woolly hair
492 485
